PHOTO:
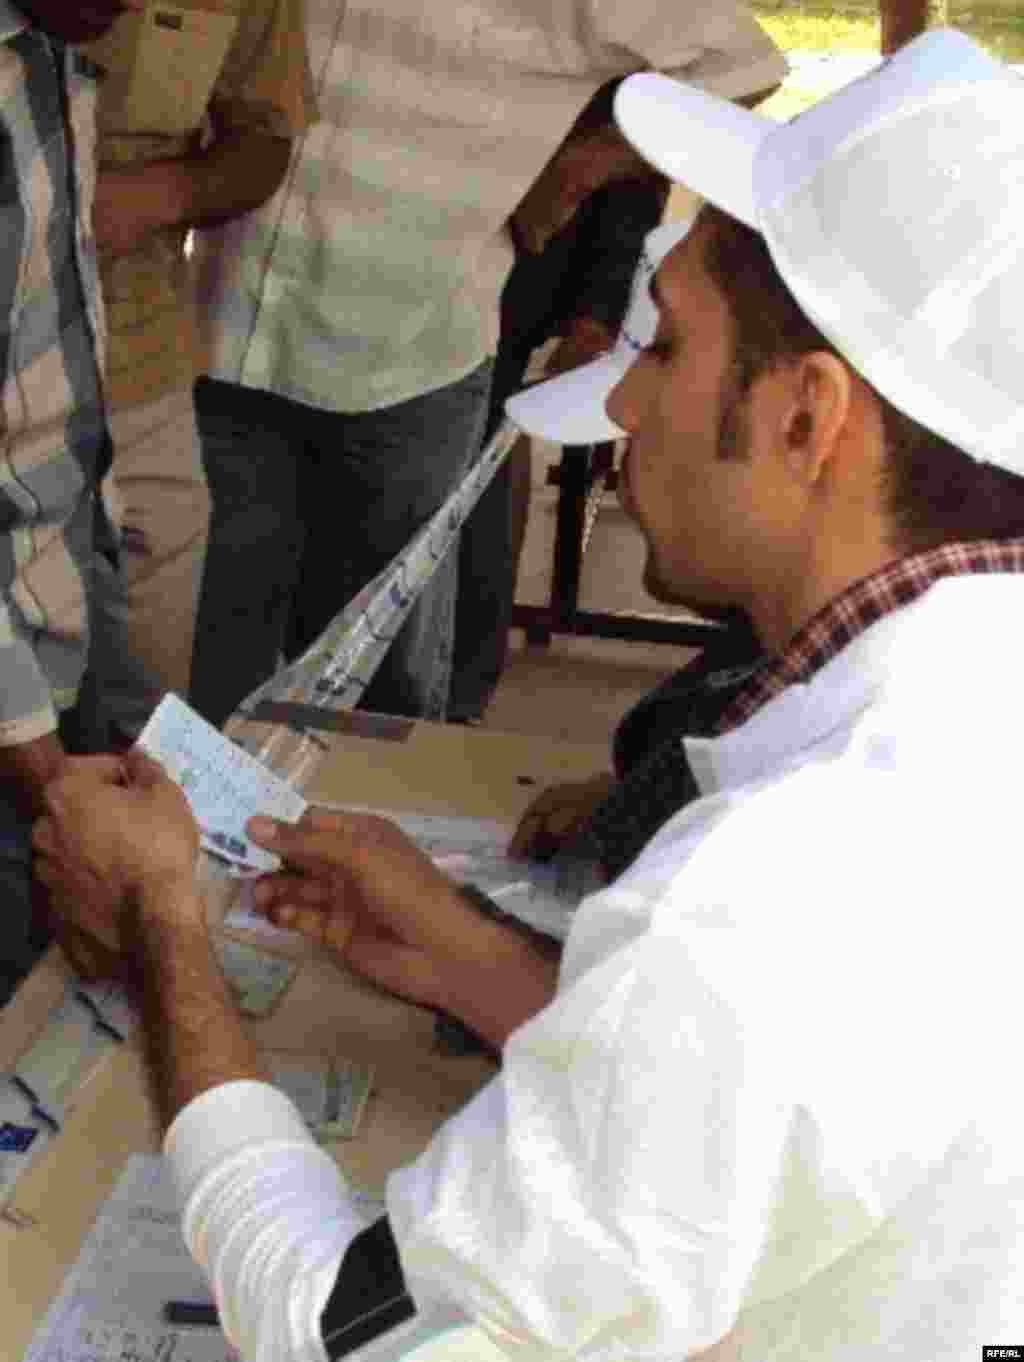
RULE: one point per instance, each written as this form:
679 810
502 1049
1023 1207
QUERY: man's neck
812 580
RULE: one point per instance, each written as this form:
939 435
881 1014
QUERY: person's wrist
169 896
506 977
166 197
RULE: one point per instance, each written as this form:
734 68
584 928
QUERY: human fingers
96 771
286 887
536 836
307 907
121 833
371 853
145 771
316 843
296 917
379 879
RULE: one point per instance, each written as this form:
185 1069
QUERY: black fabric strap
369 1297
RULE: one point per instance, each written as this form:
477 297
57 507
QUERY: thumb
297 843
142 769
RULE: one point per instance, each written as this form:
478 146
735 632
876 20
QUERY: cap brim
569 409
700 140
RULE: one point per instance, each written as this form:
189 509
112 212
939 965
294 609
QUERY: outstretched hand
358 885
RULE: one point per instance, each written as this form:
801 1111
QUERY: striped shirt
52 427
856 609
373 275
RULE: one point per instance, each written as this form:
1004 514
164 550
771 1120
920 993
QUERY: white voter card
224 785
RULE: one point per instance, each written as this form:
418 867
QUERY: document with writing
131 1264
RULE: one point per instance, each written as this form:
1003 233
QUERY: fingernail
261 829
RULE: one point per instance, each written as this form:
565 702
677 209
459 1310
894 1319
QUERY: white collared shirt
774 1100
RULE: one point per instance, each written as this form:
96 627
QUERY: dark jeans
308 506
488 561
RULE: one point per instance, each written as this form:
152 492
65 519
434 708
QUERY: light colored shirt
165 69
373 276
53 433
772 1107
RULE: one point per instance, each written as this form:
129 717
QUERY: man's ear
819 394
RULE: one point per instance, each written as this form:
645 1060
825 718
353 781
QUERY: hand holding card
224 785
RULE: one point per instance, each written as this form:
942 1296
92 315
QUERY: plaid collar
860 605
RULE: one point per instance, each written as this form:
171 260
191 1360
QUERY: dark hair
933 493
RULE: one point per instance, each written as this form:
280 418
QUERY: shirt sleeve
26 706
27 702
720 47
265 83
608 1194
267 1216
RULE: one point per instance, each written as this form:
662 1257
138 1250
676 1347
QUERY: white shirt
373 275
775 1099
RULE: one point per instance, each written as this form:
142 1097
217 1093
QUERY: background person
742 1116
52 427
196 114
351 320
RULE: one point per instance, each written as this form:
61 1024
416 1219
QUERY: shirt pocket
177 59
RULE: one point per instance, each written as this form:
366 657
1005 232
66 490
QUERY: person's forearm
193 1032
509 981
237 173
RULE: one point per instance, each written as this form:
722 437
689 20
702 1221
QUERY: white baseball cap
569 409
893 211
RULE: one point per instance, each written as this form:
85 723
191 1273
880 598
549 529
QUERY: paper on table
329 1092
131 1263
544 896
258 981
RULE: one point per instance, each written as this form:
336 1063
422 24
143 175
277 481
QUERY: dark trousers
308 506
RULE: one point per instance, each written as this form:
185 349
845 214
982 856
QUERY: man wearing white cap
763 1108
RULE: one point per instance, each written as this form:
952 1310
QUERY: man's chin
659 590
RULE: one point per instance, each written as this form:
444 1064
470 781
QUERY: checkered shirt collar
859 606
